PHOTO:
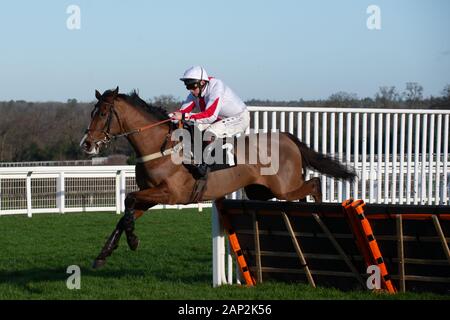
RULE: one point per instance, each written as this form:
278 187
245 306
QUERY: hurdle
332 244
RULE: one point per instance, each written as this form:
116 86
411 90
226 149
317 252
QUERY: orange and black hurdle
333 244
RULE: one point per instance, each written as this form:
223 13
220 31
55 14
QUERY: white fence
401 156
29 190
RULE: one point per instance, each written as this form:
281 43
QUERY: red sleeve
209 112
187 108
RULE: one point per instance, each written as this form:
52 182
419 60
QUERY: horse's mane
134 99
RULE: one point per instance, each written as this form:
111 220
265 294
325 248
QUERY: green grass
172 262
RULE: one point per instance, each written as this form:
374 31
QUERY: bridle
107 127
106 130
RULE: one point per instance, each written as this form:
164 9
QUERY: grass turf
172 262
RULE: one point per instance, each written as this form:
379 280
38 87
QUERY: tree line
51 131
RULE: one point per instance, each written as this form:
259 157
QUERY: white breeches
228 127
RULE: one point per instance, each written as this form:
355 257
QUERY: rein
107 126
138 130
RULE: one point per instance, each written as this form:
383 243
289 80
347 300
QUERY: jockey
222 112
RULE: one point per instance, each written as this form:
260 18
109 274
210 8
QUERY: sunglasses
192 85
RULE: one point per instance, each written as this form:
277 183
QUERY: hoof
98 263
133 243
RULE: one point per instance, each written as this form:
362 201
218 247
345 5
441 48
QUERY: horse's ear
116 91
98 95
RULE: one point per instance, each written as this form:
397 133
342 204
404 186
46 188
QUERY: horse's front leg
135 205
133 211
111 244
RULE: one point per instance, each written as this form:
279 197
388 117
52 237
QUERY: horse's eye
102 114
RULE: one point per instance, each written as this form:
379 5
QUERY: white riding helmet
195 73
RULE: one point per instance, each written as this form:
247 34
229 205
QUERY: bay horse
161 181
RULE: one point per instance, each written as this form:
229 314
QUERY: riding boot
203 168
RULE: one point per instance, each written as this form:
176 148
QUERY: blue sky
279 50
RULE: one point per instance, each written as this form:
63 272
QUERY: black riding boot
203 168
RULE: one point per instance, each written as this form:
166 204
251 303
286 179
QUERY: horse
161 181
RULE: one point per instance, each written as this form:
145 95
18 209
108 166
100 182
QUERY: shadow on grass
28 279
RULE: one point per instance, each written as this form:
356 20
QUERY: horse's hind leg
317 192
311 187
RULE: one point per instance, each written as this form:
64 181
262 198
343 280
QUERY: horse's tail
322 163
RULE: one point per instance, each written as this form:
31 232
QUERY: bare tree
387 96
168 102
446 92
413 93
343 99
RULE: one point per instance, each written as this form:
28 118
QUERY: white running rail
401 156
